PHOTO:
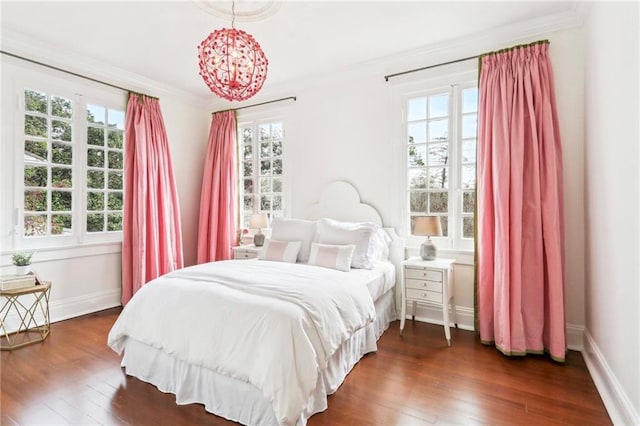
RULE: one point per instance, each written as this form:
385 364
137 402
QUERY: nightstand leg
403 314
445 314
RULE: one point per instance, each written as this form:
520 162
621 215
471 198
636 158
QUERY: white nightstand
248 251
431 282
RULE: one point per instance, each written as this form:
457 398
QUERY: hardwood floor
414 379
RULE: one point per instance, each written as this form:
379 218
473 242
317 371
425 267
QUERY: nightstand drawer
423 274
424 285
424 295
245 255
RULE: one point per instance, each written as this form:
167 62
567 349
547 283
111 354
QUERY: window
440 152
261 169
73 168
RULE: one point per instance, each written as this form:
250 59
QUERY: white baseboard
69 308
575 337
433 314
615 400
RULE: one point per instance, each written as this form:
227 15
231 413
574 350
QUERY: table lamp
428 226
258 221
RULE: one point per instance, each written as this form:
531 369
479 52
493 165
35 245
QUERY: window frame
454 84
255 121
81 94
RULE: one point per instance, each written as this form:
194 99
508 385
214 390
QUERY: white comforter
271 324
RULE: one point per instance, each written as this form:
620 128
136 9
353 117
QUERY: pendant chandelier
232 63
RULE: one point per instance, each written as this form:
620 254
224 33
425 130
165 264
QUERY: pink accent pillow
332 256
280 251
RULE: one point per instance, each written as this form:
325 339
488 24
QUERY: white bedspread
271 324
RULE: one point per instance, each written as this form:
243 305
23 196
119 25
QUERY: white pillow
280 251
381 243
359 234
284 229
331 256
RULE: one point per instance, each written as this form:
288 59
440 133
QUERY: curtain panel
520 279
218 199
152 237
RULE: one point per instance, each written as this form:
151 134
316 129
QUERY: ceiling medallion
232 63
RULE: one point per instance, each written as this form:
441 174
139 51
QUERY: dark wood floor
74 378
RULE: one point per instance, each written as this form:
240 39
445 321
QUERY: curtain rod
387 77
255 105
73 73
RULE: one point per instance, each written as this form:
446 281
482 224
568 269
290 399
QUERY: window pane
277 202
35 126
468 177
95 201
96 114
248 186
469 126
265 167
115 139
438 154
265 184
276 130
444 222
61 130
60 224
247 135
95 158
276 148
417 154
439 202
248 203
265 202
35 176
115 160
417 179
61 177
61 153
116 119
468 227
438 106
277 184
265 150
468 202
438 178
277 166
35 151
438 130
115 180
469 151
418 202
114 201
248 155
35 101
95 136
114 222
61 201
417 109
61 107
247 169
95 222
417 132
470 100
35 200
35 225
95 179
264 132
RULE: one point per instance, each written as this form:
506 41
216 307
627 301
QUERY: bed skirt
240 401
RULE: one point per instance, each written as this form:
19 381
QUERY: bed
264 341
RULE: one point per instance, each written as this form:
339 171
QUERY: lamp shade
258 221
427 226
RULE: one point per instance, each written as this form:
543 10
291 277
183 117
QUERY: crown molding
37 50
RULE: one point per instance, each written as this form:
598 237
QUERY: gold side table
30 330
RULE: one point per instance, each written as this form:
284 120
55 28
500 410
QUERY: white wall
344 126
612 348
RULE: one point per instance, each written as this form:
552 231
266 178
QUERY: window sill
65 252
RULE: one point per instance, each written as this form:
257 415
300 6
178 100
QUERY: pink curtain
520 207
218 216
152 240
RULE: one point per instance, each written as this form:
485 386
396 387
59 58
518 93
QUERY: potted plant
22 262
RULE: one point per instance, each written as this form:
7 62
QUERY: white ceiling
158 39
